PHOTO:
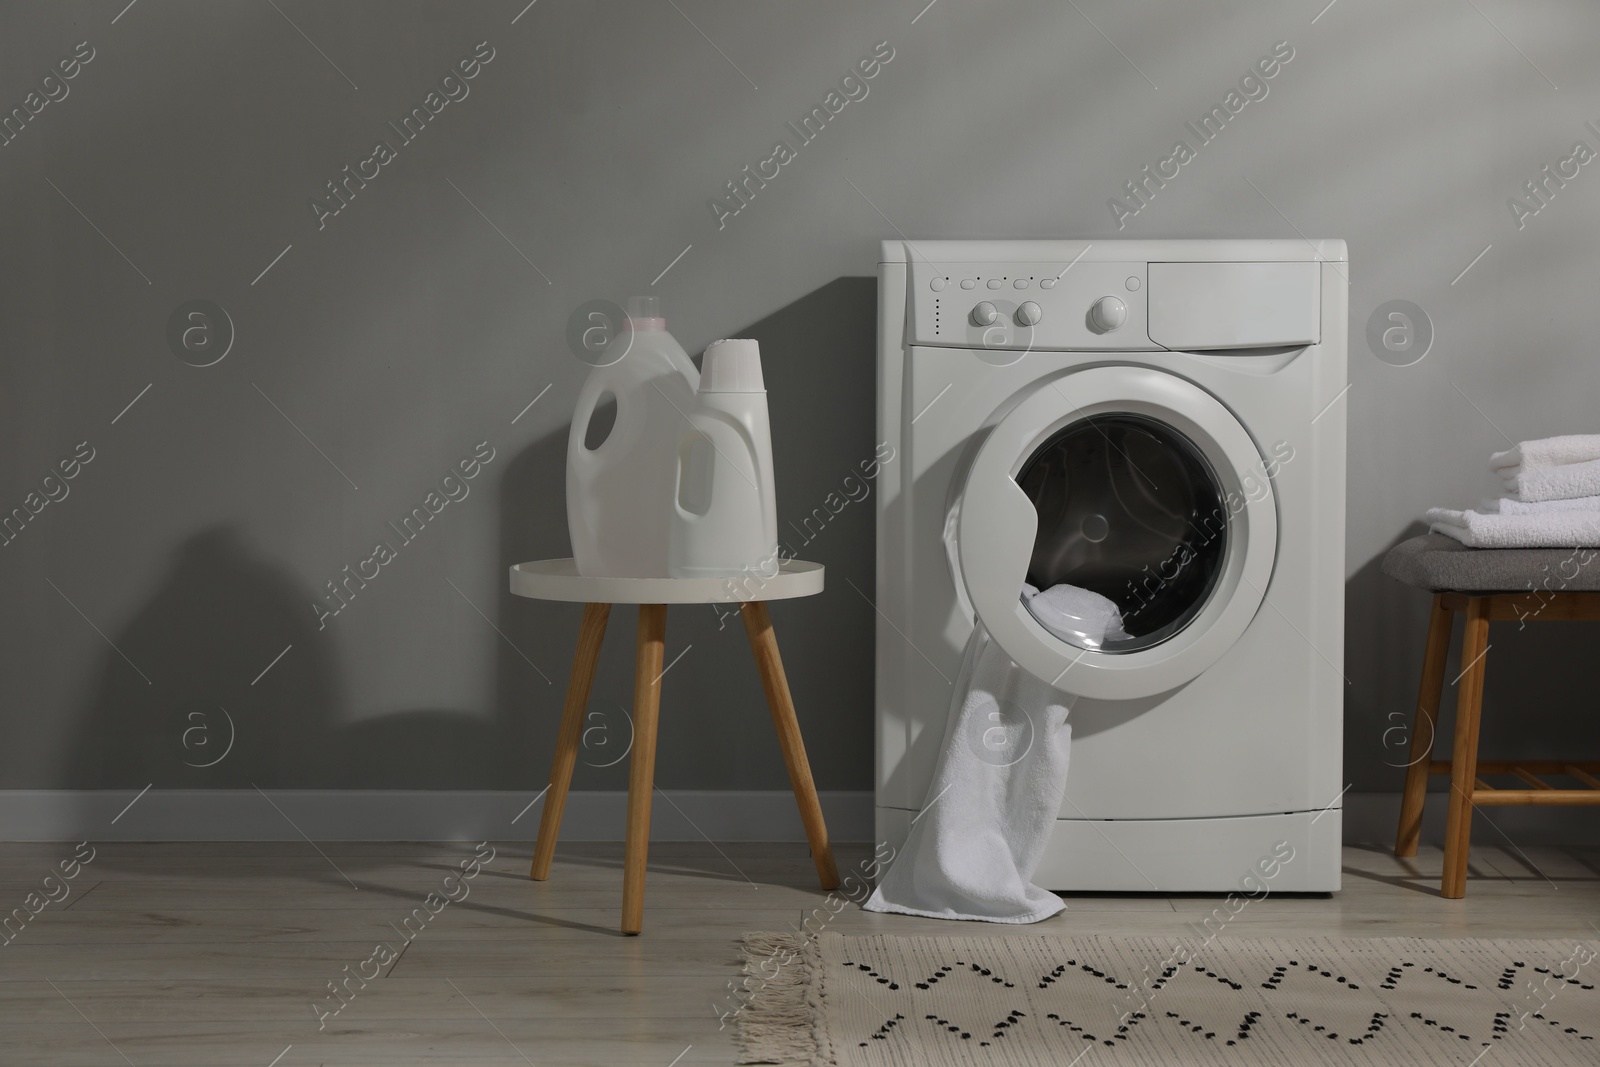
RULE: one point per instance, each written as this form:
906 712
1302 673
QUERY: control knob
985 314
1108 313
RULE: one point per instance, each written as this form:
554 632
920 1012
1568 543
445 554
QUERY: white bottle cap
644 313
732 366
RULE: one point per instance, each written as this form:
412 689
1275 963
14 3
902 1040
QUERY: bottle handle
724 459
687 445
589 397
684 513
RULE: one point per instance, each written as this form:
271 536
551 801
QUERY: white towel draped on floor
997 789
1549 529
998 786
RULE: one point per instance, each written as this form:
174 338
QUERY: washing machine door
1141 511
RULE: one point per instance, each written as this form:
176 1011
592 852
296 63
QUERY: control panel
1025 306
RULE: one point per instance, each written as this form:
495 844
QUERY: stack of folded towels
1552 498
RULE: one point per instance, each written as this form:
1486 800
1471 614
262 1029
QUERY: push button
969 283
994 283
938 284
1048 283
1020 283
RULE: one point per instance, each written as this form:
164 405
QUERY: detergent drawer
1198 306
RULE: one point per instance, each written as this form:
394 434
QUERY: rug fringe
780 1024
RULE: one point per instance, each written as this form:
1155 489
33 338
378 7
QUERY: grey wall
380 349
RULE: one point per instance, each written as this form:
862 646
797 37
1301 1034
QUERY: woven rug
1142 1002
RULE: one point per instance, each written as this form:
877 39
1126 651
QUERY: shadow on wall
1534 672
221 613
210 716
819 360
223 610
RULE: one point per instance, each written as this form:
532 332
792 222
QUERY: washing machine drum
1116 532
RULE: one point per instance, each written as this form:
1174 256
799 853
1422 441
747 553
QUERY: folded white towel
1546 452
1556 483
1506 505
1551 529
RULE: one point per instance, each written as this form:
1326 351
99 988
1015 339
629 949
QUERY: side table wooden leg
764 644
1424 727
591 632
642 762
1464 760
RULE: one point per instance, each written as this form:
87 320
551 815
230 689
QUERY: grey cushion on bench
1439 564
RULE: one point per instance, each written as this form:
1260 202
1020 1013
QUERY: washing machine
1162 423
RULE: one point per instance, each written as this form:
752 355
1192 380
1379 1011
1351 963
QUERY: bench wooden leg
591 632
642 762
764 645
1464 759
1424 727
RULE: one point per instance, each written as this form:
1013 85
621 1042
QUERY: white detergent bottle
724 508
620 493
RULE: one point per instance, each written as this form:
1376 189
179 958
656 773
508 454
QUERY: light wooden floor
214 953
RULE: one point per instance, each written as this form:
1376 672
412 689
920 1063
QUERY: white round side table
558 579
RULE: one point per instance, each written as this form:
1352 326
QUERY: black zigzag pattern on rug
1401 975
1116 1000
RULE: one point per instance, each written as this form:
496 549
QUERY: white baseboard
686 815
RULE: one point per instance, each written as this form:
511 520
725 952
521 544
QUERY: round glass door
1111 533
1131 534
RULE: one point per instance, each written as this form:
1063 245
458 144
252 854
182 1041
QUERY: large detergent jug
724 508
620 494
